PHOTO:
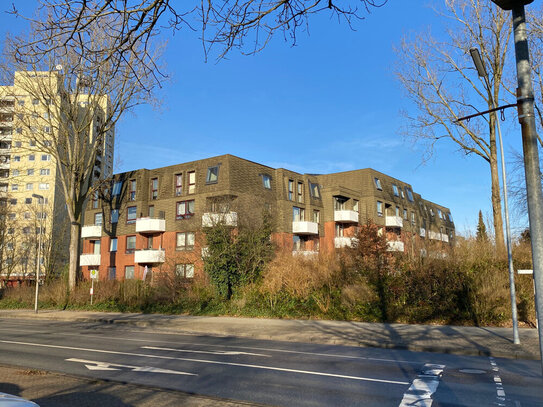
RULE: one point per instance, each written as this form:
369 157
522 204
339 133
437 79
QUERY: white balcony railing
305 228
394 221
89 260
150 225
343 241
445 238
149 256
305 253
210 219
91 231
434 235
395 246
346 216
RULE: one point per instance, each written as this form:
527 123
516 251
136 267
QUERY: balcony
434 235
345 216
305 228
395 246
211 219
149 256
394 221
445 238
91 231
305 253
150 225
343 241
89 260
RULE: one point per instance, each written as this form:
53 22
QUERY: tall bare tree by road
80 91
439 77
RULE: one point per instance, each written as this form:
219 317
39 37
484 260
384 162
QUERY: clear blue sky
331 103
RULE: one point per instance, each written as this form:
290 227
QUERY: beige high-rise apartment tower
31 153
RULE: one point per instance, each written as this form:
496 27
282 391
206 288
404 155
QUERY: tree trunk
75 233
496 196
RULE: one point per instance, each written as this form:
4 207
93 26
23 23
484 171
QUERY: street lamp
526 117
40 201
479 64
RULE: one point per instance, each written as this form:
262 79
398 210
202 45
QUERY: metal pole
38 259
526 117
512 291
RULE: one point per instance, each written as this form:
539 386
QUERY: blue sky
331 103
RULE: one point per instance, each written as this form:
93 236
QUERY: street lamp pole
479 64
526 116
40 200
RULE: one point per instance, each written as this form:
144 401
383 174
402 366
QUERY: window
395 190
439 214
397 212
413 218
192 182
178 184
113 244
266 181
184 270
132 193
184 241
18 144
14 173
41 215
339 203
151 211
185 209
402 194
154 188
28 201
29 186
405 213
32 143
298 214
96 246
356 206
290 189
409 194
31 157
21 102
379 208
340 230
129 272
45 171
314 190
114 215
98 219
130 244
43 186
431 211
14 201
131 214
150 242
27 230
449 216
14 187
117 188
297 243
30 171
46 129
300 191
378 184
212 175
26 215
316 216
12 216
35 101
95 200
16 158
112 273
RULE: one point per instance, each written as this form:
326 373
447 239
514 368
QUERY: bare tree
224 24
79 87
440 79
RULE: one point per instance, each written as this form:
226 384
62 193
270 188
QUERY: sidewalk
497 342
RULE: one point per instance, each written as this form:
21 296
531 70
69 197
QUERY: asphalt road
268 372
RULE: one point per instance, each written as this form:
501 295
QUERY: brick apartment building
153 219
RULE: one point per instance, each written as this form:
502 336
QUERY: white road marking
420 392
500 392
94 365
217 352
331 355
214 362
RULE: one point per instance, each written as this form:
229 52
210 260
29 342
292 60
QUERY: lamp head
510 4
